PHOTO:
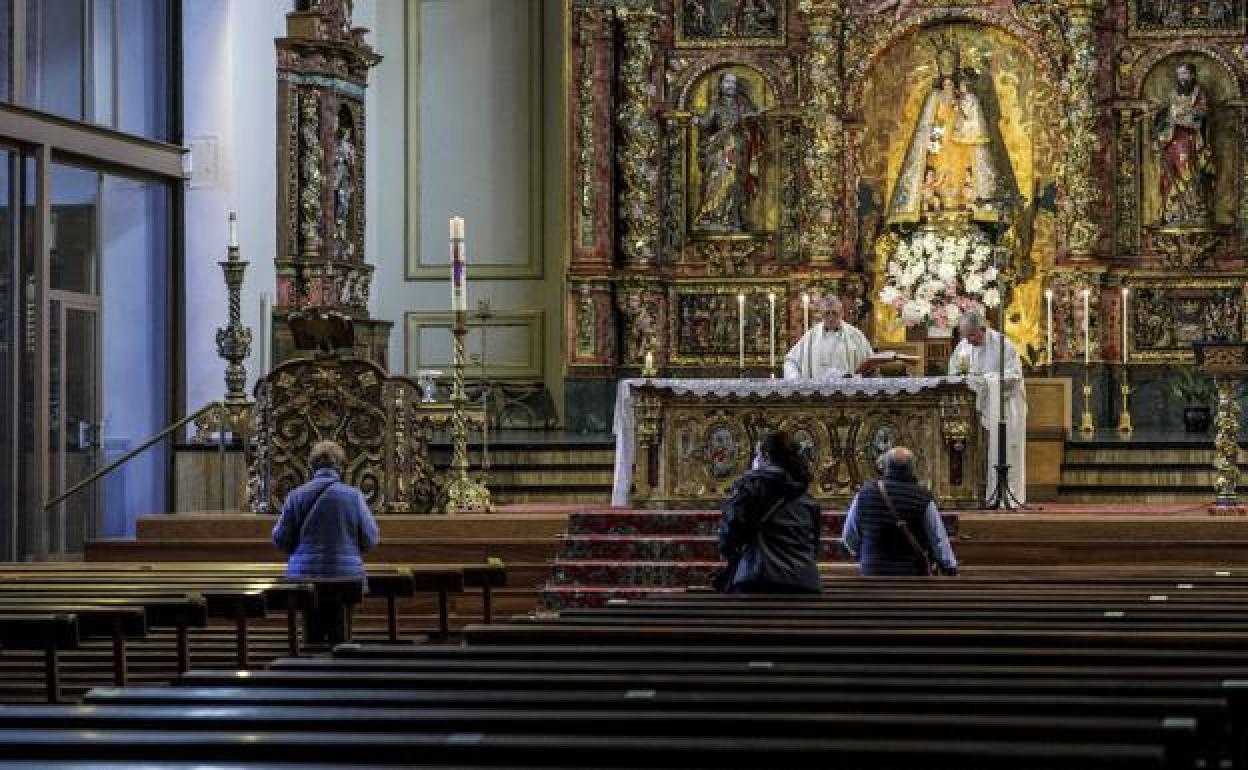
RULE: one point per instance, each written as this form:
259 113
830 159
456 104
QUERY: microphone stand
1003 498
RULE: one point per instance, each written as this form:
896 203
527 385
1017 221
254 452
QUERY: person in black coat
769 527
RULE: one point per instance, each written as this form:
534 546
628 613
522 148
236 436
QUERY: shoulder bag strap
919 551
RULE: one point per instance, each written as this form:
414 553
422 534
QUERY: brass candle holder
463 493
1125 428
1087 425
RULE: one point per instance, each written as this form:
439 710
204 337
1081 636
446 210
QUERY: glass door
74 398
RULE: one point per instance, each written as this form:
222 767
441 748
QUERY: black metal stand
1003 498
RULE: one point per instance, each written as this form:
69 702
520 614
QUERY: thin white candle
771 352
233 229
649 362
459 267
1048 325
1087 335
741 331
1125 292
805 312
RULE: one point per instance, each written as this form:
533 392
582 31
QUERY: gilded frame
678 289
681 40
415 268
1137 281
1135 30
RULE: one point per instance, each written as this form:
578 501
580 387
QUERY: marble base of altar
681 443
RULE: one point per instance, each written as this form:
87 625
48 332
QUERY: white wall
230 98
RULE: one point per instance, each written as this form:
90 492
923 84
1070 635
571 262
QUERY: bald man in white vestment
980 347
832 348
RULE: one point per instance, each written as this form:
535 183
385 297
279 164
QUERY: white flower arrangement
932 279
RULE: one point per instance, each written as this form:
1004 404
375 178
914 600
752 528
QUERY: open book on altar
883 357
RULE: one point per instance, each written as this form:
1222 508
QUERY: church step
681 523
1076 454
1160 477
656 548
584 494
1110 493
539 476
671 574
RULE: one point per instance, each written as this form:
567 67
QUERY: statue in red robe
1185 155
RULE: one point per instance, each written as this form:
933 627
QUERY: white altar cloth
625 424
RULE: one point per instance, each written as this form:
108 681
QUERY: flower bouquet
932 278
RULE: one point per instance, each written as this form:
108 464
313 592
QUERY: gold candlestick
1086 425
1124 417
462 492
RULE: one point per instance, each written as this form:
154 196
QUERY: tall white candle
805 312
1087 335
459 267
771 345
741 331
233 229
1048 325
1125 292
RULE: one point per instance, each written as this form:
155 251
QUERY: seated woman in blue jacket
325 527
769 527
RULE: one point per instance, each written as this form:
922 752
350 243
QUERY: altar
680 443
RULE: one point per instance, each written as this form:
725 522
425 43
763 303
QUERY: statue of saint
730 149
344 187
1184 155
950 167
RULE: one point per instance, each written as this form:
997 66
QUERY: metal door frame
71 300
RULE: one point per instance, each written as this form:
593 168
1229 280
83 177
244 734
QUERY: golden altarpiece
787 147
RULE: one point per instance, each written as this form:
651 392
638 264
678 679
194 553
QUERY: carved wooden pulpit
378 419
1227 363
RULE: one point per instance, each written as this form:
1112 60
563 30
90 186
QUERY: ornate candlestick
1086 424
462 492
235 414
1124 417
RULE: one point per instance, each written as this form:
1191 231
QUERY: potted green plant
1196 392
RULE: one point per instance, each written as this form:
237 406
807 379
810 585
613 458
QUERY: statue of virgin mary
951 169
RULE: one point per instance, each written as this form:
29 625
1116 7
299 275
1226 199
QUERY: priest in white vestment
980 350
831 349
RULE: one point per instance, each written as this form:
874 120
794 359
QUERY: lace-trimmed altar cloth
625 422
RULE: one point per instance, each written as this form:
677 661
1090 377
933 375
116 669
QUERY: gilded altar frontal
915 158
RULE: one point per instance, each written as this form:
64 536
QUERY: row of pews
54 608
1055 671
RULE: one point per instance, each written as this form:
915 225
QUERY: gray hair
327 454
972 319
899 461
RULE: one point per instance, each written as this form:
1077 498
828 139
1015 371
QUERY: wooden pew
48 633
553 749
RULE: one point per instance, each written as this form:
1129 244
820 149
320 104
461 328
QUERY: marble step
656 548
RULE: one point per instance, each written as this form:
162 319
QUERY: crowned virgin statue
954 167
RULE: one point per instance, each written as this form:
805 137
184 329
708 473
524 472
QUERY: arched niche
1221 87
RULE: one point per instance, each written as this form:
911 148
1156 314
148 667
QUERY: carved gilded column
591 138
639 140
823 156
1078 168
1127 177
